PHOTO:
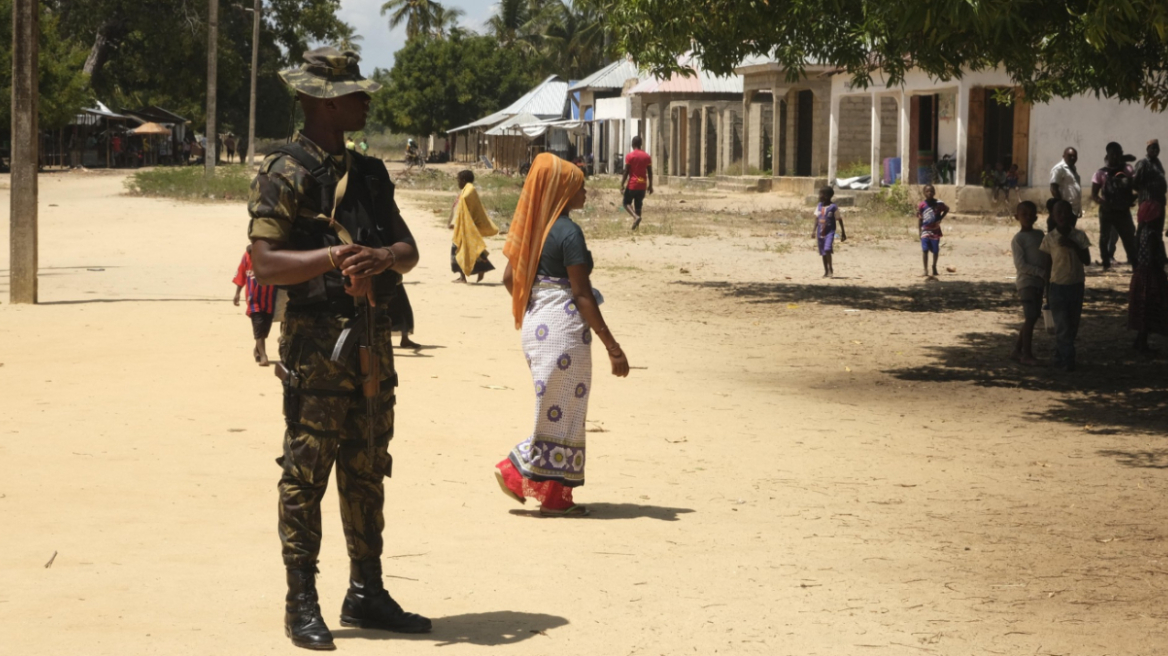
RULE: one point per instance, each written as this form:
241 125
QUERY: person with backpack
1113 189
1148 171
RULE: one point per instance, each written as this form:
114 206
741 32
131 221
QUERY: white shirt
1067 180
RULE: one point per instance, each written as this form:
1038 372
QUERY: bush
231 183
854 170
898 199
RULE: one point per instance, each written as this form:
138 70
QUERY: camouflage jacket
278 195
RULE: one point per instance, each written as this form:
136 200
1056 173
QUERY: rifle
370 376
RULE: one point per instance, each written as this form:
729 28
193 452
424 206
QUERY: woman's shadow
501 627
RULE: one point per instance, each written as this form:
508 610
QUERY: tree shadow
1113 389
1149 459
939 295
618 511
502 627
136 300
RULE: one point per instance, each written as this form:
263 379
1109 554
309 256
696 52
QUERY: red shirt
260 298
637 163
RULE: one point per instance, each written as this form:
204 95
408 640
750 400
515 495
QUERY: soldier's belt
292 385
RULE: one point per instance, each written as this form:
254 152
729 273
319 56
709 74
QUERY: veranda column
876 168
776 130
746 131
903 119
833 117
720 145
962 133
703 150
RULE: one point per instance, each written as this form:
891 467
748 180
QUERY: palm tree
445 22
418 15
512 20
347 39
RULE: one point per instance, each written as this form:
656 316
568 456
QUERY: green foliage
897 199
1049 47
130 54
854 170
436 84
62 84
230 183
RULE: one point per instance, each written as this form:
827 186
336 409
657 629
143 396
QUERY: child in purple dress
826 217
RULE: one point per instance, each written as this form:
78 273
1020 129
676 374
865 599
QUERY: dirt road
801 467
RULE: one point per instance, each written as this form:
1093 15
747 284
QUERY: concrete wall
1088 123
855 131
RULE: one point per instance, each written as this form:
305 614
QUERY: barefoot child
261 305
1067 247
930 213
1031 265
826 217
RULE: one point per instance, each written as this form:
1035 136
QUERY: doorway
783 137
804 132
923 115
999 133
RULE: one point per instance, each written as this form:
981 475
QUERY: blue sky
379 43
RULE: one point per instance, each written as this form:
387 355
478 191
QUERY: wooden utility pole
255 62
212 85
25 153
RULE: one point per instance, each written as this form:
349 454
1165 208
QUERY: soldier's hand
363 262
361 288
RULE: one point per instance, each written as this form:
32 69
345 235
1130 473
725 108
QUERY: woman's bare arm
586 304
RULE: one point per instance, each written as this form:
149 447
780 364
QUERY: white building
965 119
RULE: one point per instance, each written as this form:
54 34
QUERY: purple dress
825 219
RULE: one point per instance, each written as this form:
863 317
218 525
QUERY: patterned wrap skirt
558 345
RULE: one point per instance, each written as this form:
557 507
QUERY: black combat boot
369 606
302 620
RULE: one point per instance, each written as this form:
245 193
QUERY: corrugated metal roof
612 76
700 83
545 101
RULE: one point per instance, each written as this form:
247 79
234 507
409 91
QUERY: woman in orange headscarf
548 275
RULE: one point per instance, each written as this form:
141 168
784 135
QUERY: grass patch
854 170
230 183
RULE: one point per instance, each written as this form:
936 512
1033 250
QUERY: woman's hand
619 361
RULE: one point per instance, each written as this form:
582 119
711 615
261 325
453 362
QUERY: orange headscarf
550 184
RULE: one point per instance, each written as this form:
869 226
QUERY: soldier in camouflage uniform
310 199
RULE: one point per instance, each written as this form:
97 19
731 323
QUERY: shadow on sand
615 511
1114 390
496 628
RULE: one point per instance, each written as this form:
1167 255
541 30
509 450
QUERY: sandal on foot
574 511
506 490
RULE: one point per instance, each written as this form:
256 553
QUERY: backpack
1118 189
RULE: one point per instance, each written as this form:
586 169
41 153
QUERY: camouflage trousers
326 420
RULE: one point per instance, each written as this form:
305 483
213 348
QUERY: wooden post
212 84
255 62
25 153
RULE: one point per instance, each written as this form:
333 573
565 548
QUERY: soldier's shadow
501 627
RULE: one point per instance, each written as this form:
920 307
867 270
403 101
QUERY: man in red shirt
637 179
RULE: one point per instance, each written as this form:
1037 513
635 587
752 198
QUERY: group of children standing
1049 266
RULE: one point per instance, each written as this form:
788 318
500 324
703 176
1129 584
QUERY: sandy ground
796 467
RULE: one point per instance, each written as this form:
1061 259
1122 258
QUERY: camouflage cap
329 73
